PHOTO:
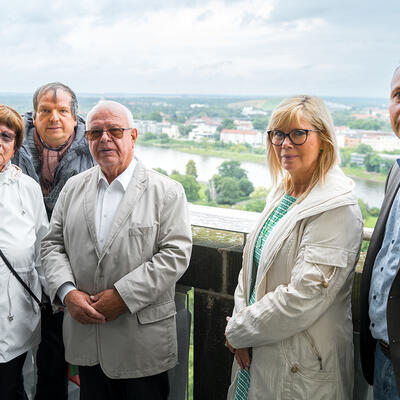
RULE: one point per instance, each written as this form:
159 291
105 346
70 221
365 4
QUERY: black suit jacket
367 342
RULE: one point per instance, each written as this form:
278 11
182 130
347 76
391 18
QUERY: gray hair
110 104
396 70
54 86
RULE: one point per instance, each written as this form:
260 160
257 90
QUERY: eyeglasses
96 133
296 136
6 137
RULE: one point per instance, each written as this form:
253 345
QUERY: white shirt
108 198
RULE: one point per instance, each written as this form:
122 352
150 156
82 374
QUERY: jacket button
325 284
294 369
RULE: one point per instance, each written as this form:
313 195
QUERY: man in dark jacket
380 284
54 149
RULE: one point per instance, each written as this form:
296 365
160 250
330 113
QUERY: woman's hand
242 357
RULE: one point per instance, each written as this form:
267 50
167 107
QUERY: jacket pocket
142 242
142 230
156 312
314 348
327 256
304 358
304 377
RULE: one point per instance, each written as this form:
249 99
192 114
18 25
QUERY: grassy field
363 174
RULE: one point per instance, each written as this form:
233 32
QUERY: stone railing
219 235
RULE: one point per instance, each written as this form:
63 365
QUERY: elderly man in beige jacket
119 240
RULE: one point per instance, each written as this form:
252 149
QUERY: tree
184 130
161 171
245 186
342 118
164 138
386 165
155 116
344 157
229 191
226 124
232 169
191 168
364 149
260 124
372 162
214 185
367 124
256 205
190 185
148 136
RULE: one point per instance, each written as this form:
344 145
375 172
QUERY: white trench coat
23 223
300 327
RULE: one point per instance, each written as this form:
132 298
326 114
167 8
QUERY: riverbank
257 158
364 175
184 148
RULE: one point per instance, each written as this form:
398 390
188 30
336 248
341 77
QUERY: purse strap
20 280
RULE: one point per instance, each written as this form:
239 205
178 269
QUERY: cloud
264 47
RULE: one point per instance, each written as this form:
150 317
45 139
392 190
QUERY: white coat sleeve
55 262
324 264
146 283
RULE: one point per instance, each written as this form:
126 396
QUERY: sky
225 47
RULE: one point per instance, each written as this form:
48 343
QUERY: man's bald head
110 105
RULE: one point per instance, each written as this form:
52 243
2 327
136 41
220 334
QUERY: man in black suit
380 283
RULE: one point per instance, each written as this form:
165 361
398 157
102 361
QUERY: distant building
357 159
203 131
352 140
382 142
170 129
252 111
243 124
144 126
199 106
364 116
195 121
251 137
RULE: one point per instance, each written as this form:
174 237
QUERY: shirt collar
124 178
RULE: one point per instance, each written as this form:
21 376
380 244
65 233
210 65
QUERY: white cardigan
300 326
23 223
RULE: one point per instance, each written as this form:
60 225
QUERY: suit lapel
392 187
134 191
89 206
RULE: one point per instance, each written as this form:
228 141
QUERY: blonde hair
289 113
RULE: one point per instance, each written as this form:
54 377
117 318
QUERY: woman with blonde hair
291 327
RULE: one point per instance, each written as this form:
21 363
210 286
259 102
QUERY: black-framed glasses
7 137
296 136
96 133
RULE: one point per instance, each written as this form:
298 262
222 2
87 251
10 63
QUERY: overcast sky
252 47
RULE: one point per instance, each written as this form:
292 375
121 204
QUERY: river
169 159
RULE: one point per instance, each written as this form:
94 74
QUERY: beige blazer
147 251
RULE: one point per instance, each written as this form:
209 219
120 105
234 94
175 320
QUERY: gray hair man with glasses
119 240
